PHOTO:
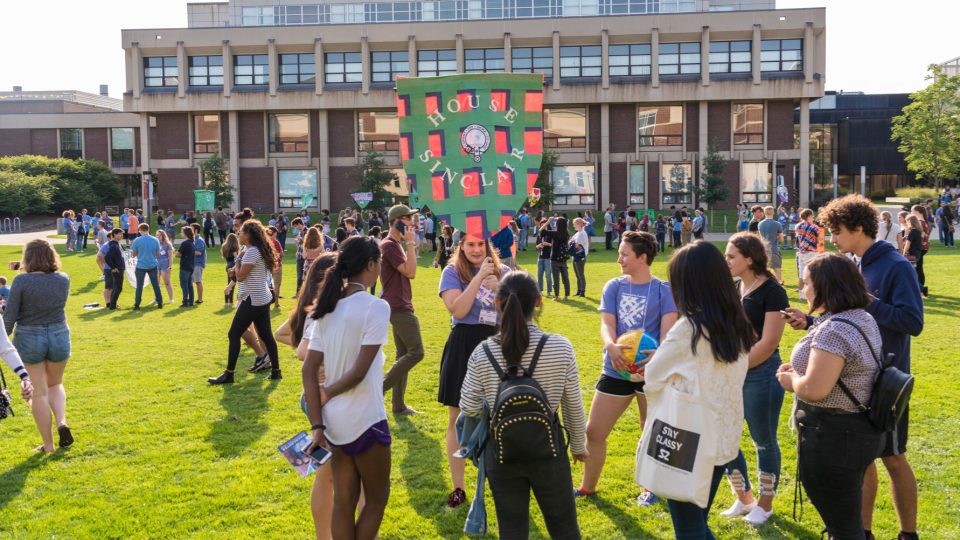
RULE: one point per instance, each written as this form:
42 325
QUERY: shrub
74 183
22 194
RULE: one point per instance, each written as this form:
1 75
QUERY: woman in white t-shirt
347 414
888 231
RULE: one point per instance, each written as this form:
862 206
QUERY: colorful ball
635 341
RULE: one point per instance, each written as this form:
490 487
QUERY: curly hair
754 248
851 211
257 237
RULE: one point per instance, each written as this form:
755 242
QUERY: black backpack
523 427
891 390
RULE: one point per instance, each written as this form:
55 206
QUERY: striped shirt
807 234
11 357
257 283
556 373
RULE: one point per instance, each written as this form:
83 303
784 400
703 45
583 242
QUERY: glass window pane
791 44
740 46
669 48
719 46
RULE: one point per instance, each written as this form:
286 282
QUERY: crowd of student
719 319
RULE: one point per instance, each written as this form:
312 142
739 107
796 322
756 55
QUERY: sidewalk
21 239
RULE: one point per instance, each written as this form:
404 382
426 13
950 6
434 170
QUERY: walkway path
21 239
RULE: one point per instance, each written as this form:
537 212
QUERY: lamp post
146 190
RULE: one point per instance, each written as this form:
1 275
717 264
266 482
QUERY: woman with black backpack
559 238
520 348
836 360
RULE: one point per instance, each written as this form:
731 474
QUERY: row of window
451 10
578 61
121 145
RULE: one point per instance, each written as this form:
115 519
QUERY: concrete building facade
293 95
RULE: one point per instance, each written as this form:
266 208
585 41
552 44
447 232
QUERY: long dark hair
308 292
704 293
257 237
517 296
355 254
563 235
752 247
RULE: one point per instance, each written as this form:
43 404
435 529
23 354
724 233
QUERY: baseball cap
399 211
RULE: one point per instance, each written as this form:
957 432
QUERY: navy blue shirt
187 255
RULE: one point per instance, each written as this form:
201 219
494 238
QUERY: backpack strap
536 354
840 383
493 361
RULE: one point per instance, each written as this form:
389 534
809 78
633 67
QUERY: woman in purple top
637 300
468 286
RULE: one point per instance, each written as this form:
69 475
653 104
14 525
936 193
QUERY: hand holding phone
319 454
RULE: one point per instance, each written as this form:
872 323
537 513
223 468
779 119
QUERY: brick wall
341 186
96 144
623 127
257 189
618 184
14 142
718 123
175 188
780 124
136 145
43 142
225 135
341 128
692 113
170 139
653 184
731 179
250 131
593 127
314 133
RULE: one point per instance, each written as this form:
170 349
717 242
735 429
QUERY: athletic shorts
776 260
197 276
108 279
615 386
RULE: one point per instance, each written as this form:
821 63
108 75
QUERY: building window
565 127
580 8
781 55
342 68
626 60
755 183
436 63
730 57
298 68
206 70
574 184
288 133
379 131
679 58
121 147
71 143
676 183
638 184
385 66
257 16
294 185
483 61
580 61
251 69
206 133
160 71
532 60
748 123
660 125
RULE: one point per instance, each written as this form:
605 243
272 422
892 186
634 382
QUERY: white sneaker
758 516
738 509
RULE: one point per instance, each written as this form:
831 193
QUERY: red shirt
396 286
278 251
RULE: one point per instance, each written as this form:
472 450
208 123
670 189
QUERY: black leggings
259 316
559 270
921 277
208 238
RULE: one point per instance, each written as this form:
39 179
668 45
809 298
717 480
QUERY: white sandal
739 509
758 516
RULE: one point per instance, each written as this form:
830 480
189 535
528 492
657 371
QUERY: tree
712 188
928 131
215 179
373 176
74 184
22 194
545 180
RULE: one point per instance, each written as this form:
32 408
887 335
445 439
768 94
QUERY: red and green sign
471 145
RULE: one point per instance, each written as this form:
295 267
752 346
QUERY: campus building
73 124
293 94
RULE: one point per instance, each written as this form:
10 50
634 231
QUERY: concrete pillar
655 57
365 62
459 53
233 164
181 70
808 55
227 68
507 53
805 152
136 58
272 65
705 56
144 141
703 131
323 135
556 60
412 55
604 154
318 61
605 59
755 54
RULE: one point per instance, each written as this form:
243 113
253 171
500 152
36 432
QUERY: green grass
160 454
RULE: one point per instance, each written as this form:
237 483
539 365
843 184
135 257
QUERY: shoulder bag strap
536 354
4 379
493 361
840 383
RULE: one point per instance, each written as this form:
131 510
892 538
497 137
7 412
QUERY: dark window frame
487 58
75 150
745 136
276 146
424 57
530 54
168 75
684 66
772 55
376 145
581 70
391 59
721 59
573 141
253 78
122 157
198 72
629 52
205 147
303 69
655 139
351 67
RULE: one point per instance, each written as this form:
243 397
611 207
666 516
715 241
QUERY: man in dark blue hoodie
118 265
898 309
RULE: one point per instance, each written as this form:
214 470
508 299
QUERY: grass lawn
160 454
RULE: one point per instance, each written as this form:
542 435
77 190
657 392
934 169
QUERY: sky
873 46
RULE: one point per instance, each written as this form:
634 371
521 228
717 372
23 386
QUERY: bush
22 194
74 184
918 193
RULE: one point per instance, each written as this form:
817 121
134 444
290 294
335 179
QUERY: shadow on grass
12 480
91 285
244 404
425 481
622 520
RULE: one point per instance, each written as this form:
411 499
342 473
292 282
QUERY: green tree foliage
74 183
372 175
544 180
928 131
712 189
22 194
215 179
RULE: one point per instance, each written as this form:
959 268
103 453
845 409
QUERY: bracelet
315 427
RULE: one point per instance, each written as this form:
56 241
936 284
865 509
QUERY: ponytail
330 289
354 256
514 334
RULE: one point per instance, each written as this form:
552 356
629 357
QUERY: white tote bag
676 454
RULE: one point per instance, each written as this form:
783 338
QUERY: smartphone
14 265
401 226
784 314
320 454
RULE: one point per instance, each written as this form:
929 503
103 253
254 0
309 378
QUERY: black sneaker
260 364
66 438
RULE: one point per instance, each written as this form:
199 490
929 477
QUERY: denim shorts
37 343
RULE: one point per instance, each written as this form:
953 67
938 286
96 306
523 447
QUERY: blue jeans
762 399
186 286
524 237
689 520
152 272
544 267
